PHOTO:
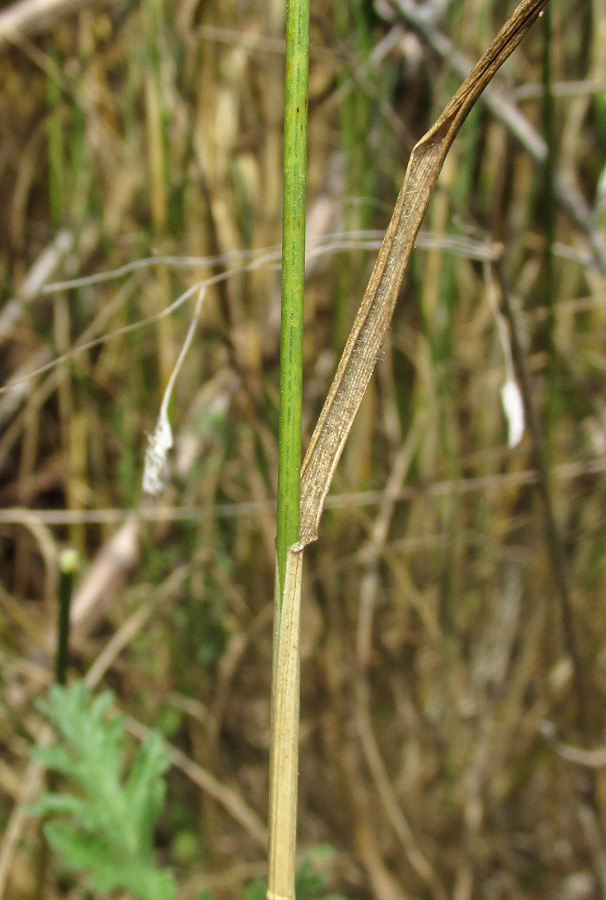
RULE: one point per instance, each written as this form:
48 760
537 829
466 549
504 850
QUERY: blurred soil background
444 719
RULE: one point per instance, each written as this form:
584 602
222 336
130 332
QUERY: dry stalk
368 743
557 558
30 16
285 734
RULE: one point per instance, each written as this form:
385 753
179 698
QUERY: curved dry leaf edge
374 315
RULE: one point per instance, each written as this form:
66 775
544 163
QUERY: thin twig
369 746
564 472
554 544
30 16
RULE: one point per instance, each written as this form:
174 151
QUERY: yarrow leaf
108 833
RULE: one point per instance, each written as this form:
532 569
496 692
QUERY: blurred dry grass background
433 652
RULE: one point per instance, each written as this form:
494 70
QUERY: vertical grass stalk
68 566
285 675
293 269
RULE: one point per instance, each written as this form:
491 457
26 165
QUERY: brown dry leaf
374 315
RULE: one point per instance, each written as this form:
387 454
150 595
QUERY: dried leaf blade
374 316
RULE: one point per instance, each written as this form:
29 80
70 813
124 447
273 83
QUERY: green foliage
311 882
256 890
111 818
199 637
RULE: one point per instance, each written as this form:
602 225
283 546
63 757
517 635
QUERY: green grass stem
68 567
293 270
286 667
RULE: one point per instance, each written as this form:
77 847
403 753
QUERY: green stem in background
354 32
549 212
293 270
55 132
68 566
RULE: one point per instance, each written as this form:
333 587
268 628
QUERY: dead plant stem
554 544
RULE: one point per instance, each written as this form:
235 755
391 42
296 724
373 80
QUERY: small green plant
104 828
311 882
